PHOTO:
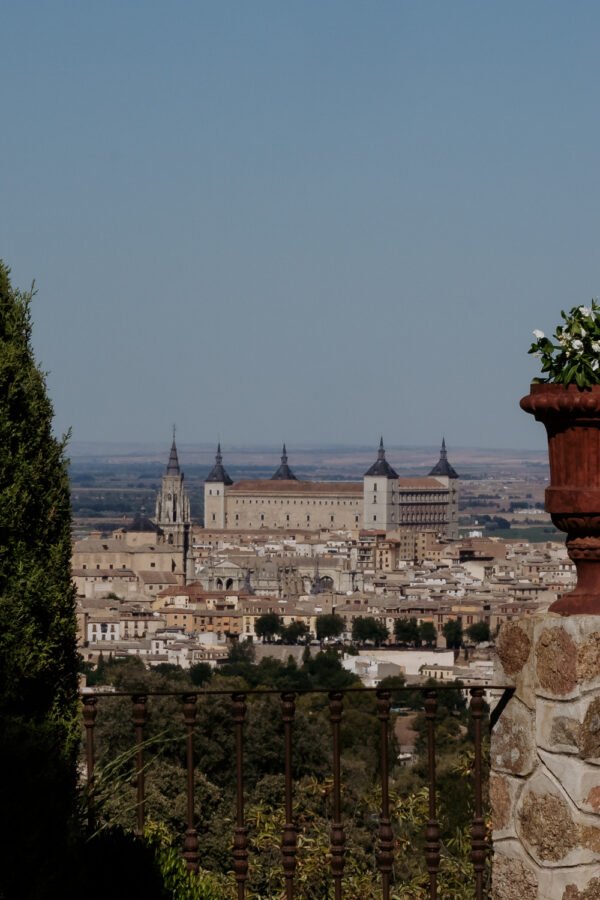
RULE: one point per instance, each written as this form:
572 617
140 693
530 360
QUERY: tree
427 633
267 626
478 632
200 673
453 633
329 625
367 628
406 631
292 633
39 705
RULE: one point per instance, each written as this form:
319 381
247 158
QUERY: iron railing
289 843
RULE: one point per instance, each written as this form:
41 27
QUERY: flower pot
572 420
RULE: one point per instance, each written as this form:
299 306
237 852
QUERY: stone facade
381 501
545 756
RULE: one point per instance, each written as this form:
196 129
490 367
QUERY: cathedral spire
173 464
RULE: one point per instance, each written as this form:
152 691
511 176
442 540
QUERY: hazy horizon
272 222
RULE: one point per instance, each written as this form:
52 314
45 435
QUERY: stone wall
545 757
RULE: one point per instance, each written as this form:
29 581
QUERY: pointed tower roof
381 468
443 467
218 472
173 464
284 473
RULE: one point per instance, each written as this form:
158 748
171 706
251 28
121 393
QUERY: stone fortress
382 501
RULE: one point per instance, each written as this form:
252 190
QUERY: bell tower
172 515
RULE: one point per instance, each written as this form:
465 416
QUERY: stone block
582 883
514 876
552 830
504 793
513 648
555 660
578 779
513 740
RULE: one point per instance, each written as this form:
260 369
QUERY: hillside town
171 592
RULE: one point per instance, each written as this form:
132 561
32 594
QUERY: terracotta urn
572 420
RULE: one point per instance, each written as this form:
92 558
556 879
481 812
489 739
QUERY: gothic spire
173 464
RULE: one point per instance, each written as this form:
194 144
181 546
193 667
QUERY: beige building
382 501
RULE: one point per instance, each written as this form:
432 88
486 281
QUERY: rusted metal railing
385 855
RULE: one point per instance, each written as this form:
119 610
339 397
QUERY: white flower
538 334
585 310
595 365
577 345
583 332
596 346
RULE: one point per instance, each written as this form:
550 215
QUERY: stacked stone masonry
545 756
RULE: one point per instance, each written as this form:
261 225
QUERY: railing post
432 833
289 840
478 837
240 843
190 846
90 711
385 857
139 720
336 703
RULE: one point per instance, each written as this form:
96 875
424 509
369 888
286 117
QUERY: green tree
478 632
453 633
39 730
406 631
367 628
427 633
267 626
329 625
293 632
200 673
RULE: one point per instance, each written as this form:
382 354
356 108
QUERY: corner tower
214 493
448 476
283 473
380 494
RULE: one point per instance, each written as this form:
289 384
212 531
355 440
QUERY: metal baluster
385 857
478 836
432 832
336 703
90 710
240 843
289 840
190 845
139 720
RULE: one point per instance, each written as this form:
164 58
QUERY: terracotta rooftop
261 486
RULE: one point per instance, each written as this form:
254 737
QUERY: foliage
267 626
39 731
214 785
427 633
453 633
574 357
407 631
478 632
368 628
293 632
329 625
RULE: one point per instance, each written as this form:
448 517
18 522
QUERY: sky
315 221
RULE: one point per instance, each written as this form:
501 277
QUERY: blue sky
312 222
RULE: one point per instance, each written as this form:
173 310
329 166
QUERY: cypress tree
39 729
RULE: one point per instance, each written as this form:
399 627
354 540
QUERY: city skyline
310 224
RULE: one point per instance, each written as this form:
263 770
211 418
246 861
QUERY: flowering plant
574 357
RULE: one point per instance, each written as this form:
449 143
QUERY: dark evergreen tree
39 725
